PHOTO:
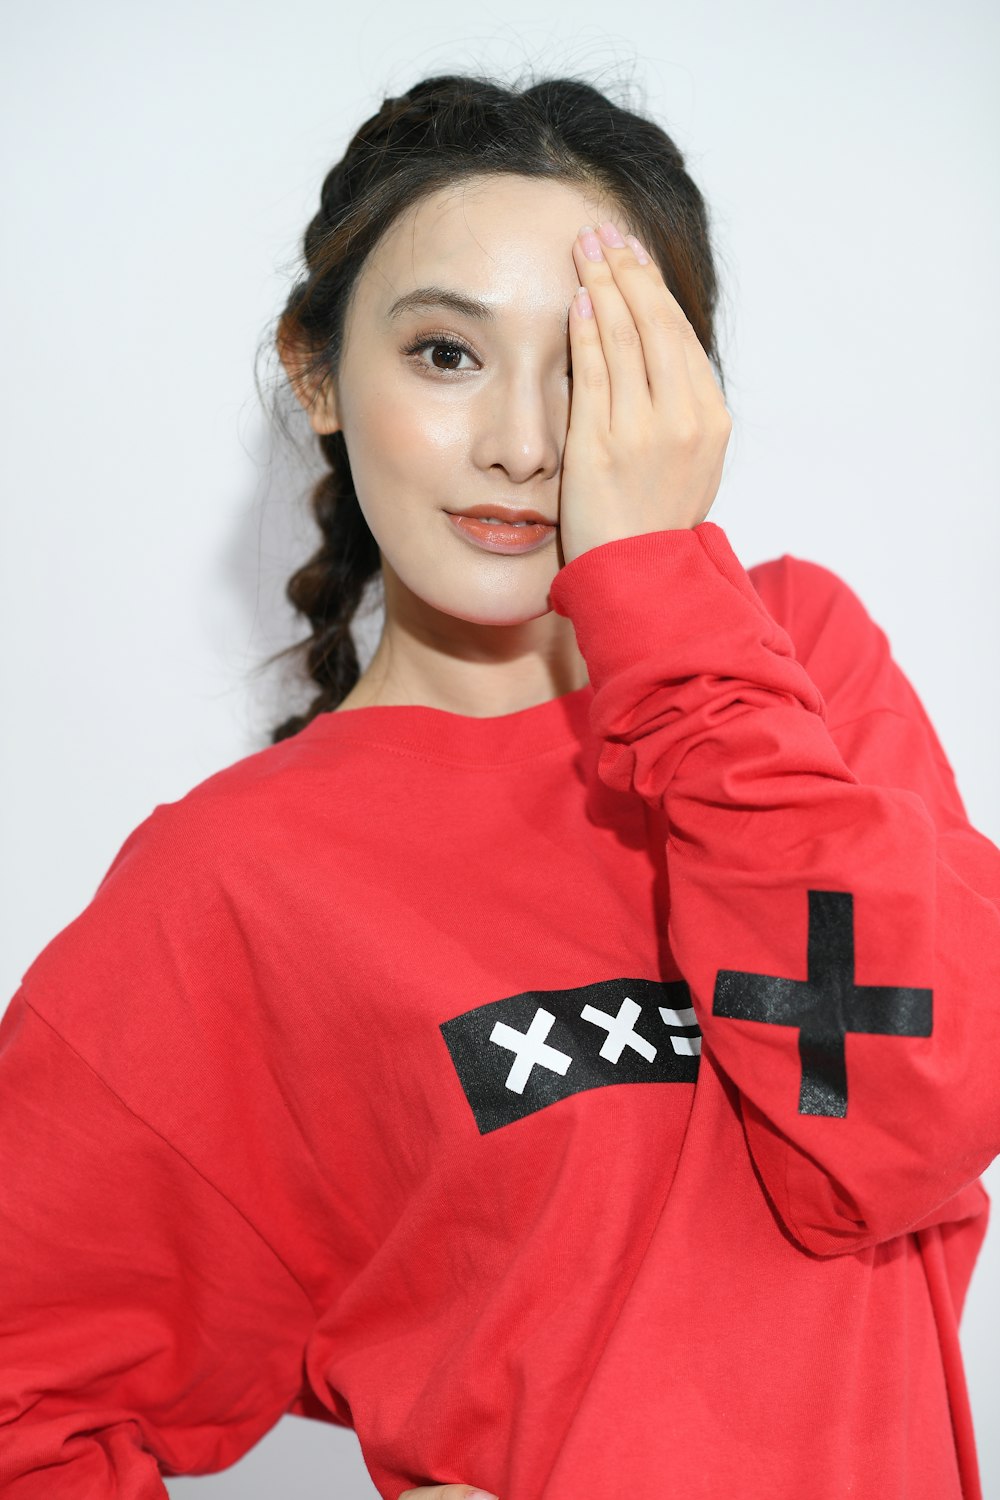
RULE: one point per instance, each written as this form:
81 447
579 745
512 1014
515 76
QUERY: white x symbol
619 1028
531 1049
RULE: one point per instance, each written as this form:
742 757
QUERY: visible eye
454 346
448 342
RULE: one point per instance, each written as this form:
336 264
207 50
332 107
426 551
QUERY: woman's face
479 414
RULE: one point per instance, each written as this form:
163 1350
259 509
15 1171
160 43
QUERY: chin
489 606
483 589
504 615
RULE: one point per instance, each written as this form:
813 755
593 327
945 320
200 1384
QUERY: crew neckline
460 739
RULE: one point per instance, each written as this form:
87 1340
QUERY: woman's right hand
447 1492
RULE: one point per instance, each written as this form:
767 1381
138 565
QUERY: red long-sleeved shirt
585 1101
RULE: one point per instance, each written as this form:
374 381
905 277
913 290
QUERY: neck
440 661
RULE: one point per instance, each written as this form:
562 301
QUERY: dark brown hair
442 129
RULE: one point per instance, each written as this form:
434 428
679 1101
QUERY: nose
521 426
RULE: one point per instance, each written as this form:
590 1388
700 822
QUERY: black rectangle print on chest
516 1055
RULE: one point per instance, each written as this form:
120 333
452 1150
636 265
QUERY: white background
160 164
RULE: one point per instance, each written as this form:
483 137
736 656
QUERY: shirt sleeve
833 913
146 1326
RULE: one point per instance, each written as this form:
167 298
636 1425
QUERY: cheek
406 440
399 469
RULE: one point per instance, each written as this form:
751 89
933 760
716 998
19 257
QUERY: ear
318 400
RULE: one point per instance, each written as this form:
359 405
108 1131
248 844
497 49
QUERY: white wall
160 164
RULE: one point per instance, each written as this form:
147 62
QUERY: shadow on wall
274 534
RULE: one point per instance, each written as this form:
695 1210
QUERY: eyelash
444 341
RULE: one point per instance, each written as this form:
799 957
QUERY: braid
328 589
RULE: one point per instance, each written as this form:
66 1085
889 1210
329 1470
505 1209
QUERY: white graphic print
619 1028
684 1046
530 1048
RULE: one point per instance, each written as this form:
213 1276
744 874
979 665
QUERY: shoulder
216 858
844 650
806 599
879 720
234 813
194 892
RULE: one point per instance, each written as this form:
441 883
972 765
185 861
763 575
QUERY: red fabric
264 1149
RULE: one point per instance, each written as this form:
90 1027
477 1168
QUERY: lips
501 536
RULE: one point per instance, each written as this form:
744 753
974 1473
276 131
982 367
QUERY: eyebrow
423 297
441 296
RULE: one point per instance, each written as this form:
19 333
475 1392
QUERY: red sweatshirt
584 1102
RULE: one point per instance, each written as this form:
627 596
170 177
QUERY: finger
659 320
628 393
657 313
591 402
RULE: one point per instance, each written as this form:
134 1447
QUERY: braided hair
442 129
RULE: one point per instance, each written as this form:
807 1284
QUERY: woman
567 1053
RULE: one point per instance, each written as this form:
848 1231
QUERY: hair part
441 130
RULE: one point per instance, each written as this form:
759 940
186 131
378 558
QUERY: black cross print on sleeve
826 1006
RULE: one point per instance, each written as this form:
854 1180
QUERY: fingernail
610 235
590 243
640 253
481 1495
